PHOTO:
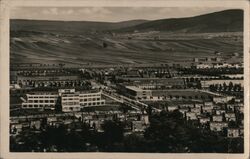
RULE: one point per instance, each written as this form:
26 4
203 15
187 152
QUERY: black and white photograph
127 79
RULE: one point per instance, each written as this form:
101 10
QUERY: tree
104 45
134 143
124 108
113 132
230 86
169 132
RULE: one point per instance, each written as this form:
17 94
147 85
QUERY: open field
129 42
47 48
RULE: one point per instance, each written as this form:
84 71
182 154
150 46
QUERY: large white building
40 101
67 98
70 102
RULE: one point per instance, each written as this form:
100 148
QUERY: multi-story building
70 102
91 99
68 99
135 92
40 101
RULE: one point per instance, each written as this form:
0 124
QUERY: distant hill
223 21
68 26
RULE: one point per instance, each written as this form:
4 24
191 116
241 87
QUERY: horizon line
58 20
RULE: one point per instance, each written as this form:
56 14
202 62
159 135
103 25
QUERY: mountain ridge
222 21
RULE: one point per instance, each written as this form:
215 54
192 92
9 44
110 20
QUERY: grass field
88 49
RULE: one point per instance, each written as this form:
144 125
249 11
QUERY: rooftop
134 88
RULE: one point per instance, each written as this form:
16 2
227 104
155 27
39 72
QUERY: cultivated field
128 42
90 49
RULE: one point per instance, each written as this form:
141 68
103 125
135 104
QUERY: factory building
68 99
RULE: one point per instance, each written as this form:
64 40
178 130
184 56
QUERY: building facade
40 101
68 99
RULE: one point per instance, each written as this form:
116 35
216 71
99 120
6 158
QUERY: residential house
233 132
230 117
217 118
218 126
191 116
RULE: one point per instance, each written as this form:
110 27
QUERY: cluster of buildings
46 78
134 121
135 87
214 116
145 88
206 83
218 65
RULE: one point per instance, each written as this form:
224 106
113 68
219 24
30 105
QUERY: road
111 93
125 100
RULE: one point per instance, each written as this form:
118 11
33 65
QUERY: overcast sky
108 14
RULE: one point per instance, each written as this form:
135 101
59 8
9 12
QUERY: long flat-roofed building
40 100
136 92
91 99
69 100
155 83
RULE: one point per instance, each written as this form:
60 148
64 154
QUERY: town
121 104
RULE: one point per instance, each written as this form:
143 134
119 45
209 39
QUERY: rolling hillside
71 27
224 21
83 42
